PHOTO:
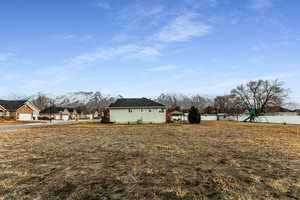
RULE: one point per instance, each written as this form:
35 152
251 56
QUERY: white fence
274 119
267 119
209 117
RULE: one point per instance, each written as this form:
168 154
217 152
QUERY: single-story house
177 116
280 111
59 113
22 110
86 115
137 110
94 114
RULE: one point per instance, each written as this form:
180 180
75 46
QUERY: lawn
215 160
4 123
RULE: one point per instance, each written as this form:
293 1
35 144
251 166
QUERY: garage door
25 117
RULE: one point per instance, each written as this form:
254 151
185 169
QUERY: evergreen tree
194 115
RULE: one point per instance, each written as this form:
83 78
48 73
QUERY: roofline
3 108
14 110
23 106
32 106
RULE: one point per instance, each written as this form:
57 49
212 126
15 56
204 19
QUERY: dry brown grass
2 122
214 160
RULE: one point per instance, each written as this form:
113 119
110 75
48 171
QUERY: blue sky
143 48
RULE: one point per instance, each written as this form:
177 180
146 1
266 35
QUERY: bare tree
223 104
228 104
200 102
184 101
41 101
101 100
82 109
260 94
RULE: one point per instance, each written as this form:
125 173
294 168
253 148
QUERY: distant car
45 118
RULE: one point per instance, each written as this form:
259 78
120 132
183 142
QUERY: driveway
22 126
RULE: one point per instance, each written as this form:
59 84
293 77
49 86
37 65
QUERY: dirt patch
209 161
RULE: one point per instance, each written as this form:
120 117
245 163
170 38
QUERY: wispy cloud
163 68
42 83
103 4
74 37
261 4
225 84
210 3
7 77
140 10
259 47
34 84
139 17
51 70
124 52
4 56
183 28
277 76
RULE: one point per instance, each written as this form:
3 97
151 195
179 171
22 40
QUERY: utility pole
51 110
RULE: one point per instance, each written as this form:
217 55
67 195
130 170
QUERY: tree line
255 95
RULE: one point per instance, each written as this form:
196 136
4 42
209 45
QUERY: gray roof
135 102
12 105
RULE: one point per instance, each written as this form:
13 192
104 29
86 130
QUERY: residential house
280 111
85 115
22 110
177 116
137 110
59 113
96 114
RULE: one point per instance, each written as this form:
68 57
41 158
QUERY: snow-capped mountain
76 98
90 99
72 99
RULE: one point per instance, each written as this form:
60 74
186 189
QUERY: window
142 110
129 110
162 110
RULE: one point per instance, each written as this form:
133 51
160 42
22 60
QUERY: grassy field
2 122
214 160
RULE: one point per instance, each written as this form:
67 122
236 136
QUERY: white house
137 110
177 116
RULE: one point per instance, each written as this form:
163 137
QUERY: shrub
194 115
105 119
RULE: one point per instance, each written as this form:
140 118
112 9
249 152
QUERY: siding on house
23 110
133 110
13 110
3 112
36 111
132 115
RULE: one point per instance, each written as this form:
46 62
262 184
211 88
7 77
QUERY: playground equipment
253 113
